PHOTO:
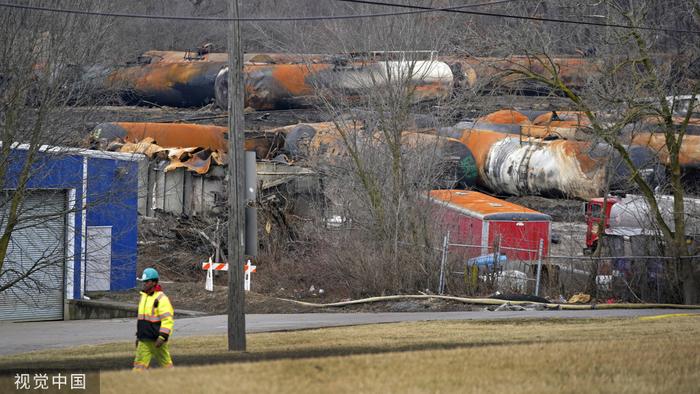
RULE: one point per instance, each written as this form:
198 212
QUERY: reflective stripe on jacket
155 316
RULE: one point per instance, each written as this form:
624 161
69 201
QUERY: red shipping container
478 220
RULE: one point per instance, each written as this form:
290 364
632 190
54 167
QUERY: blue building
77 231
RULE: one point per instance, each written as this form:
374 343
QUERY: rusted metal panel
194 159
463 74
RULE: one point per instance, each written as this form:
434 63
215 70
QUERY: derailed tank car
283 86
455 163
182 135
572 169
168 78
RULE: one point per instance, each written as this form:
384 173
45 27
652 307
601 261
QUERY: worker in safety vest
155 324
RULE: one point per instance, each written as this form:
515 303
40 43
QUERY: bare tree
637 70
380 237
45 64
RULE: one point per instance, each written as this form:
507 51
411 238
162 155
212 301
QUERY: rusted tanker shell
284 86
550 125
457 164
177 84
689 155
185 79
267 87
321 140
526 130
632 216
304 141
537 118
558 169
152 57
562 119
492 73
505 116
651 124
186 135
464 76
572 169
169 135
553 132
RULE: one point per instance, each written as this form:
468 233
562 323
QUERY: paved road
25 337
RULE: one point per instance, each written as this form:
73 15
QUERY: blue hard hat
149 274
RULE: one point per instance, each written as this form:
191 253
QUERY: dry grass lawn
616 355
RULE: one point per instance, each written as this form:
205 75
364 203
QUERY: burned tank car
509 164
271 86
645 161
455 165
176 82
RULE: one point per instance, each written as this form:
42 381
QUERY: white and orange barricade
211 267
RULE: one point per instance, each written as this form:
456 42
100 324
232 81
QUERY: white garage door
37 248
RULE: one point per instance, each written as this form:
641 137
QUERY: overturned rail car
184 135
688 156
188 78
572 125
168 78
272 81
558 168
283 86
492 73
455 163
527 130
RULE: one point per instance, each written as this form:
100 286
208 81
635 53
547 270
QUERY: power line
224 19
416 10
528 18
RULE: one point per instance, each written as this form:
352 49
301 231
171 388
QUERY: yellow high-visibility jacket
155 317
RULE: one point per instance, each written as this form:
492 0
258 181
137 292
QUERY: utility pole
236 197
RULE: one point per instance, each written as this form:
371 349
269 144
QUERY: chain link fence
481 270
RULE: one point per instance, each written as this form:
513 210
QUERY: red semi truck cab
597 209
